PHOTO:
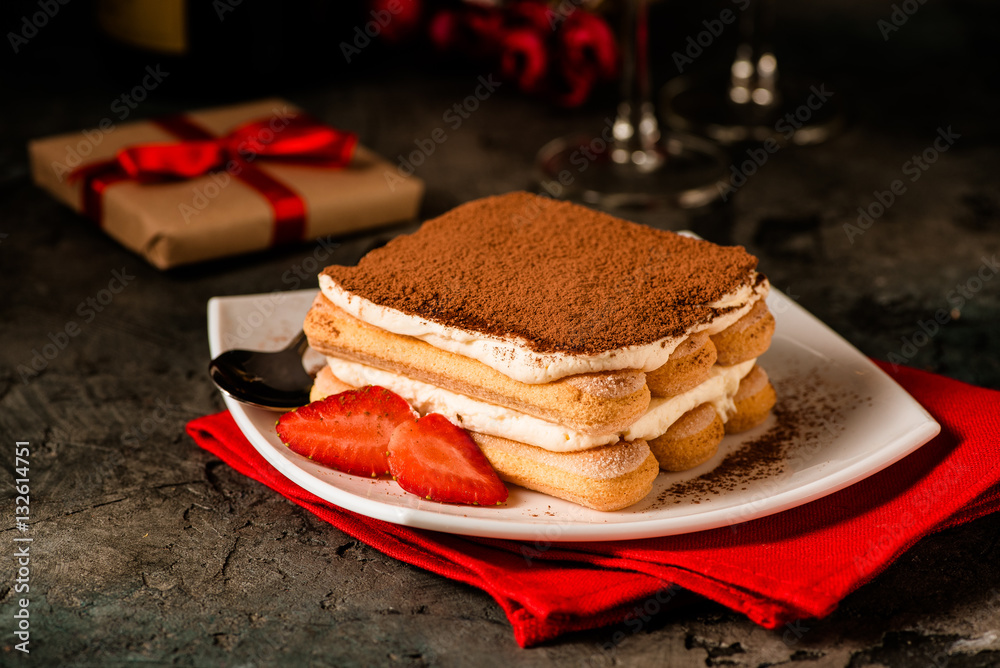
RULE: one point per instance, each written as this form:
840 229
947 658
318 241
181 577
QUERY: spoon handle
299 344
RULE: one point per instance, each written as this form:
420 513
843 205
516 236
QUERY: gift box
223 181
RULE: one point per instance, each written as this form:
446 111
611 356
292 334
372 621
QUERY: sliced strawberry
348 431
438 461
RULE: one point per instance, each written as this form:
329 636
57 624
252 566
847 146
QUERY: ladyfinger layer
592 404
551 474
747 338
695 437
689 366
606 478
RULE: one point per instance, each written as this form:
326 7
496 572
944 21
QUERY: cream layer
718 390
486 418
512 356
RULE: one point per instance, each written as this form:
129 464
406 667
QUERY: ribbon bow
298 139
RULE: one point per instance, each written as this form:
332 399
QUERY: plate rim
900 446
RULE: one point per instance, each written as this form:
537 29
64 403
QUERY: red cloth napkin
777 569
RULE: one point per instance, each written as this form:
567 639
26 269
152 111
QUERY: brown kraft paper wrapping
216 215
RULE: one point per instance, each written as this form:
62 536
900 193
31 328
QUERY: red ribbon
298 139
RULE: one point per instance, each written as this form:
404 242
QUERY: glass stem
636 130
754 72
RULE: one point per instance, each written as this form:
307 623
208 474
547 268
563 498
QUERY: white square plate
839 419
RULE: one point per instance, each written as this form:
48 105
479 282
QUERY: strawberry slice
438 461
349 431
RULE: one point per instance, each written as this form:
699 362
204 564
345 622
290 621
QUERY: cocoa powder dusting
527 266
810 411
757 459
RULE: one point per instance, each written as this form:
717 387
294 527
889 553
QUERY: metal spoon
275 381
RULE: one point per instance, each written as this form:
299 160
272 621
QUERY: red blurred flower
524 60
404 18
531 14
586 41
470 31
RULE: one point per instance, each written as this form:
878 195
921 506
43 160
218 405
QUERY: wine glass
632 162
753 101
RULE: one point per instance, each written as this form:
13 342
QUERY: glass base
805 112
682 172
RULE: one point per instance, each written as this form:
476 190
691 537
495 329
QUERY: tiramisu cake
582 353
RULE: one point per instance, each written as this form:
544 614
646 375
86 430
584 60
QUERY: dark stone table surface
148 550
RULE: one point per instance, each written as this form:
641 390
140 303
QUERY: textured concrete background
148 550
